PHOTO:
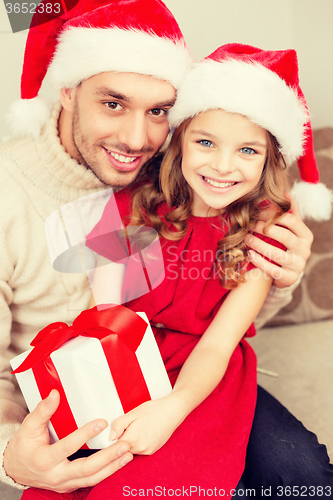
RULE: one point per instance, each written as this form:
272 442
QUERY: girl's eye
113 105
158 112
248 151
206 143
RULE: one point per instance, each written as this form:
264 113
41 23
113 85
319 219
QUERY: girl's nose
223 164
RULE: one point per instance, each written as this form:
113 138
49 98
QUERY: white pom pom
314 200
28 116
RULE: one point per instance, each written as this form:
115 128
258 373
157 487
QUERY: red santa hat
137 36
263 86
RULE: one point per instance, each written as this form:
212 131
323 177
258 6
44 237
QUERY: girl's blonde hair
241 215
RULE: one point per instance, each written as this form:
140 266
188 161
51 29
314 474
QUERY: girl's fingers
120 424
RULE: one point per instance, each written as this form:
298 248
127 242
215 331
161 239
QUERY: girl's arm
106 282
208 361
150 425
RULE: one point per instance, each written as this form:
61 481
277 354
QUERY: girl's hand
294 235
148 427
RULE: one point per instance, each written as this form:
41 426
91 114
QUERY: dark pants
284 459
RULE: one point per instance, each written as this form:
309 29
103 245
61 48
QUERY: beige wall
304 25
301 24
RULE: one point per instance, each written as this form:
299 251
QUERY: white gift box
87 382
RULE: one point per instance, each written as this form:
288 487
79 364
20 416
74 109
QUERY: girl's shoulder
124 197
124 200
126 193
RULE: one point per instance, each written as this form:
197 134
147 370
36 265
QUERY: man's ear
67 97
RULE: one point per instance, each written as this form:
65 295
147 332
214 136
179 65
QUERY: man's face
115 123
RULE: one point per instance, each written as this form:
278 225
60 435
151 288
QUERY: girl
237 125
238 121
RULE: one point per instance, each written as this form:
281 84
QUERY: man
117 67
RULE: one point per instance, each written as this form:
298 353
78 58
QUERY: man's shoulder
13 192
15 150
9 151
8 144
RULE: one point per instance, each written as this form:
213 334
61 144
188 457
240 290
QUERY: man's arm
26 457
291 231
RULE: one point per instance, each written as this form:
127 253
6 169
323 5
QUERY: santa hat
263 86
137 36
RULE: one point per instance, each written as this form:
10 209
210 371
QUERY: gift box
104 365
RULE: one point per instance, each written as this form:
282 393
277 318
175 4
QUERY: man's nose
133 131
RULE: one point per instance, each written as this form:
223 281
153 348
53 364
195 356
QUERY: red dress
208 449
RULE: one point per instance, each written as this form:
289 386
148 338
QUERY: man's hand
294 235
30 460
148 427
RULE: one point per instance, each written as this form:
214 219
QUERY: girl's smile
218 183
223 158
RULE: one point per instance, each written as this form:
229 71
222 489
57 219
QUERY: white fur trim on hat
248 89
28 116
314 200
84 52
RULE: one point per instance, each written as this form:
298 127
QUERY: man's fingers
97 477
265 248
86 472
116 454
282 276
282 230
294 223
287 259
43 412
278 233
294 207
292 220
74 476
73 442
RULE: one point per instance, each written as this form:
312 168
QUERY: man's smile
123 162
122 158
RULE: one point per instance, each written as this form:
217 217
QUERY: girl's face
223 157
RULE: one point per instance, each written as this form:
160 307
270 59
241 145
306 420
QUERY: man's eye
206 143
157 112
113 105
248 151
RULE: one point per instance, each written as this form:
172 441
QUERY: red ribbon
120 332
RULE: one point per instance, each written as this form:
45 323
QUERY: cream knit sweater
38 177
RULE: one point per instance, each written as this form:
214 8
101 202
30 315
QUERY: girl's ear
67 98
